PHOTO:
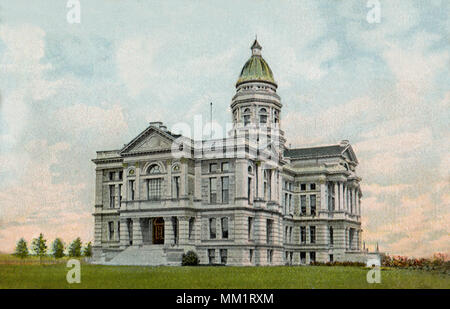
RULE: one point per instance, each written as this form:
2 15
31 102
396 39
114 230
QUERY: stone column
336 196
273 185
354 201
341 196
168 232
169 178
198 181
184 178
346 198
124 236
183 230
241 178
97 230
137 232
323 197
259 176
137 190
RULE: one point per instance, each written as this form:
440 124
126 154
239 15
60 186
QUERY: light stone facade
244 200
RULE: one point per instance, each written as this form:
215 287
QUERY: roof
320 151
256 69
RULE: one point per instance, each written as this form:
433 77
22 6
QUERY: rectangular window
212 228
131 189
176 187
269 256
250 228
120 175
290 203
112 196
223 256
302 234
225 189
312 257
331 258
212 167
191 228
350 238
312 234
211 256
225 167
111 176
111 230
154 189
312 186
331 235
303 187
213 190
303 204
312 203
269 231
249 190
246 120
290 234
303 257
224 224
250 255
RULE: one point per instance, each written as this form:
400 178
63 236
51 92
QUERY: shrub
346 263
190 259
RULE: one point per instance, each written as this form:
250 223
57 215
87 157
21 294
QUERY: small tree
21 249
190 258
88 250
58 248
39 246
75 248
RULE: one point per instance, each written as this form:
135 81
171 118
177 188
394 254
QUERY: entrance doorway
158 231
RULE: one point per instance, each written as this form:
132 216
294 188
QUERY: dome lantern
256 68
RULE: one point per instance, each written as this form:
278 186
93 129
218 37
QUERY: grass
28 273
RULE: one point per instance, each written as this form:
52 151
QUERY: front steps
147 255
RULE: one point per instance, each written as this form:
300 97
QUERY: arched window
176 168
154 169
250 169
246 116
262 116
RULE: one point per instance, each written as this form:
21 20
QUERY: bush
190 259
439 262
346 263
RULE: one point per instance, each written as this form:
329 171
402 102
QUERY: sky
70 89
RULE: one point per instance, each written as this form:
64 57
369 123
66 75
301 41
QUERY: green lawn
30 274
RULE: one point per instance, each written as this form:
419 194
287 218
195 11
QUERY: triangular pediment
151 139
349 154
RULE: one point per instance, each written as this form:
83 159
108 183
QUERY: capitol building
247 199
